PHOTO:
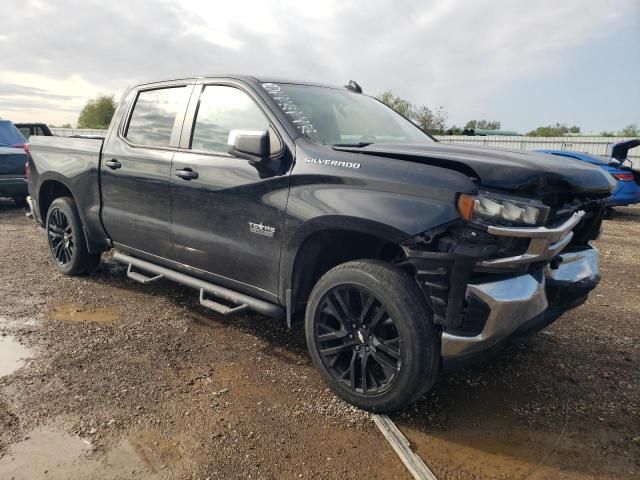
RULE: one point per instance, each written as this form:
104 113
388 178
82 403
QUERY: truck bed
75 163
56 147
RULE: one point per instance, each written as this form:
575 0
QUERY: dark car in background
31 129
13 159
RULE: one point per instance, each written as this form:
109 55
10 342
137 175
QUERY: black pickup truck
403 256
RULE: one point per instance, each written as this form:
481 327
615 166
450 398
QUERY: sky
524 63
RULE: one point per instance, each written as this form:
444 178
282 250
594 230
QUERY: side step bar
138 277
219 307
242 301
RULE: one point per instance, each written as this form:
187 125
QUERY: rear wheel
369 333
67 242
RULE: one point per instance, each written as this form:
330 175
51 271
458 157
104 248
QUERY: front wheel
67 242
370 334
20 201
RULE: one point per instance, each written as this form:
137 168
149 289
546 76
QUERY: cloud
14 90
439 52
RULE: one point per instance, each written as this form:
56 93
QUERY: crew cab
402 256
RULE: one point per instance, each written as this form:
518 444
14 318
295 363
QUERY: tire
394 337
67 242
20 201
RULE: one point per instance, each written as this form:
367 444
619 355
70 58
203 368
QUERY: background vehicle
302 201
13 159
30 129
627 191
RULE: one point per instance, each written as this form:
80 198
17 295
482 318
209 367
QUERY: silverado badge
332 163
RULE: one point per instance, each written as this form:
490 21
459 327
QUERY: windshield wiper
354 145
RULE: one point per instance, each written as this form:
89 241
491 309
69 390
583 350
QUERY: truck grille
565 205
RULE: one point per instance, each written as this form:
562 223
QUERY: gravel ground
121 380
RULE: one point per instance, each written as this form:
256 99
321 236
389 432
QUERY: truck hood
500 168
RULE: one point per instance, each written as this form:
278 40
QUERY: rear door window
154 115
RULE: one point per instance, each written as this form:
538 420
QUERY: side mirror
251 145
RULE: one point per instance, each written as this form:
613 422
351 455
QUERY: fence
594 145
67 132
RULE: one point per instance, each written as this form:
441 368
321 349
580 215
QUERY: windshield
10 135
340 117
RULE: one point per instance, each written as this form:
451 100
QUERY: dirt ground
101 377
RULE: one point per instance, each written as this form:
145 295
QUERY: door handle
187 174
113 164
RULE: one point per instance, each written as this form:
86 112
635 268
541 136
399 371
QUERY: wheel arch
49 190
326 242
53 188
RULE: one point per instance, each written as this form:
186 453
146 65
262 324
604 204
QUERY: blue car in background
619 167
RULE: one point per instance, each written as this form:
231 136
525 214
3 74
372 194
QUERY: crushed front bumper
522 304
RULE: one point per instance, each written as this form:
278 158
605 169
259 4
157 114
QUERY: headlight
489 207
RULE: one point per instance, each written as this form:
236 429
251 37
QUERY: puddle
73 313
13 355
55 455
17 322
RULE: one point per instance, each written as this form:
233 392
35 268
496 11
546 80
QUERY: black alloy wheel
60 234
370 335
67 241
357 340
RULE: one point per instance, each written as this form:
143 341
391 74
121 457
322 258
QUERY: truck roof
246 78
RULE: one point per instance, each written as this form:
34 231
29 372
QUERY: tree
557 130
606 133
97 112
483 124
630 131
434 122
398 104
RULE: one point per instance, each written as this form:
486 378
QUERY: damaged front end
487 283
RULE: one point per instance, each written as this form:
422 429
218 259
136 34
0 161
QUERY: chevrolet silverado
402 256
